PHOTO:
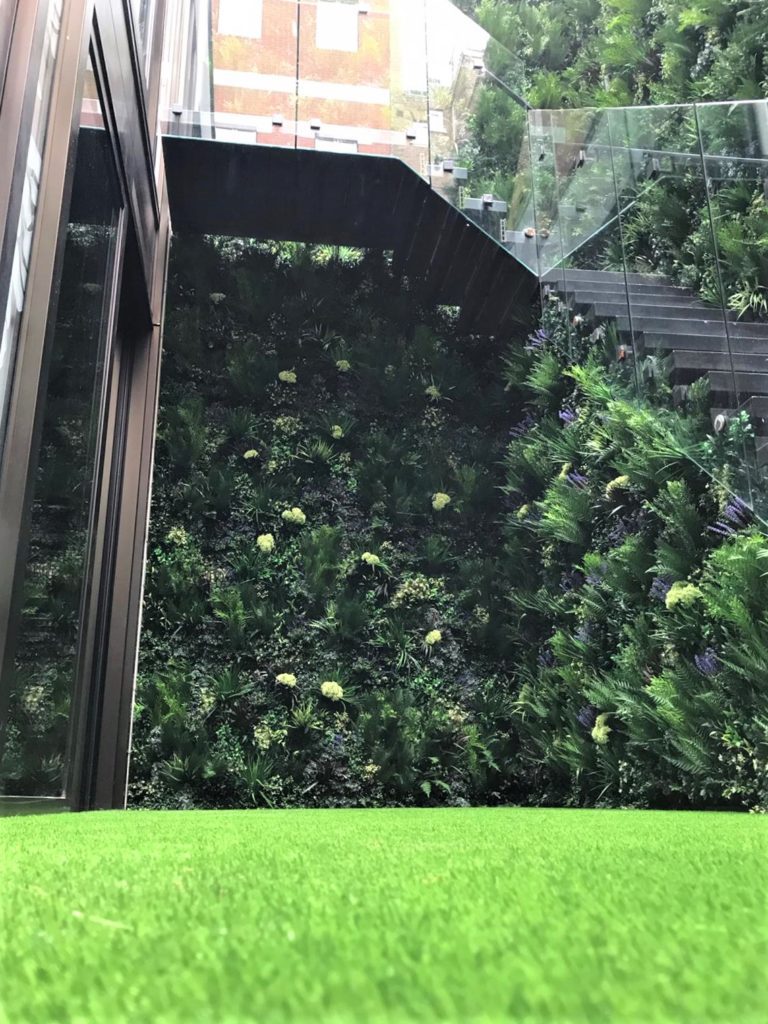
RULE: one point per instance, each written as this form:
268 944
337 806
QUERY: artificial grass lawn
384 915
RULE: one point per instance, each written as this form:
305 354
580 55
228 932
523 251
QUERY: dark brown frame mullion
86 697
88 703
22 34
111 784
7 19
24 413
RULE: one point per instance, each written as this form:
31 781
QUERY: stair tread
678 298
579 274
703 343
756 384
709 328
720 361
706 314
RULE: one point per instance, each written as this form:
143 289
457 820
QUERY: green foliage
584 53
584 622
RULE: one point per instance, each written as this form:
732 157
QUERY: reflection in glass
27 216
477 128
144 11
55 578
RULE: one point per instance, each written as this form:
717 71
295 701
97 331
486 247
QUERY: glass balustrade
734 146
648 223
416 80
652 222
477 129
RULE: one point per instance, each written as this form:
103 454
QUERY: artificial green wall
390 563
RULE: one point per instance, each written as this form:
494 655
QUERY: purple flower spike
587 717
707 663
547 658
722 530
660 587
578 480
538 340
527 423
738 513
567 415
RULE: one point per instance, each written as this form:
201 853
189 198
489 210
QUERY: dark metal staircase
339 199
663 319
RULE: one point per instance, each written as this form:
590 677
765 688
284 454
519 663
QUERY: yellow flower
601 730
250 454
523 511
433 392
440 501
620 483
294 515
434 636
217 297
682 594
343 365
337 432
177 535
567 467
370 559
332 690
266 543
287 376
287 424
286 679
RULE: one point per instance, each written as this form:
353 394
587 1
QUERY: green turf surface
384 915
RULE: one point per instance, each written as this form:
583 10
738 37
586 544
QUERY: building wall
345 94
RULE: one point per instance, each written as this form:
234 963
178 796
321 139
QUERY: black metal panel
300 195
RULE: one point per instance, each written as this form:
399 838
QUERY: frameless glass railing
653 222
416 80
650 221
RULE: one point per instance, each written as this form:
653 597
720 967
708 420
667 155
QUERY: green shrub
583 622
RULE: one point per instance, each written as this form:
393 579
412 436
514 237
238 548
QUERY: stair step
576 274
752 384
757 407
761 454
678 298
695 364
708 314
759 422
708 328
702 343
606 289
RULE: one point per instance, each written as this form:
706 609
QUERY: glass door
42 681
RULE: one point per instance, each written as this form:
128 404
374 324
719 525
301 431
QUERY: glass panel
254 71
734 142
671 257
186 82
477 125
55 579
345 67
578 229
26 225
144 14
409 114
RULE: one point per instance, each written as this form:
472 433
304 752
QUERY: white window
437 121
327 145
240 18
337 26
